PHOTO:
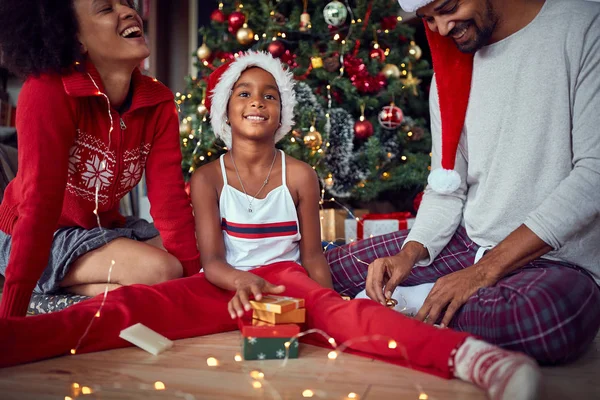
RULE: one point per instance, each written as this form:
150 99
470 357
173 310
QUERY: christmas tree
362 113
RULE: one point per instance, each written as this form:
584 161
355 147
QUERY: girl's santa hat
220 87
453 70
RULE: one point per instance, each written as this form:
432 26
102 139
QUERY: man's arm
439 214
575 203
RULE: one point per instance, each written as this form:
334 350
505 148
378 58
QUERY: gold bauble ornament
391 70
313 139
202 110
244 35
185 127
203 52
414 51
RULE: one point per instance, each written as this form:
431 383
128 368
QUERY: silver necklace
242 183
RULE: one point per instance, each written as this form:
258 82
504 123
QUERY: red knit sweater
63 126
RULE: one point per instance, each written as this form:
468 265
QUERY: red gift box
401 217
265 330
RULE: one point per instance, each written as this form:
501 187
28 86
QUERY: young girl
251 97
89 124
255 206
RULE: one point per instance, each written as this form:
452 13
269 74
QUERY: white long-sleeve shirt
530 149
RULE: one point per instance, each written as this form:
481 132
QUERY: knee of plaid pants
547 310
349 264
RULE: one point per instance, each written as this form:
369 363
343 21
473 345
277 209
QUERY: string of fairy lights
257 379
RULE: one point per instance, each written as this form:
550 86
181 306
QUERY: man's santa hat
220 87
453 70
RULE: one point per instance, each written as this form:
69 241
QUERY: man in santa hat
506 243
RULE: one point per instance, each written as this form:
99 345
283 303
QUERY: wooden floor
132 373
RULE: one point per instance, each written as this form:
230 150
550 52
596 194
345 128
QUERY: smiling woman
102 125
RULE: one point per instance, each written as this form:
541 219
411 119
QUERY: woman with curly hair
89 124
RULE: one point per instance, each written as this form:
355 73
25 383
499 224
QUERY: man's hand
390 271
453 291
249 285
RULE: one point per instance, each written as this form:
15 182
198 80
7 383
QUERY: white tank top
268 234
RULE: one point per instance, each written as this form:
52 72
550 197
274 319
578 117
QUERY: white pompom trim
413 5
444 181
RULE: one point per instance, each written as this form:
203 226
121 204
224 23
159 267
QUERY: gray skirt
71 243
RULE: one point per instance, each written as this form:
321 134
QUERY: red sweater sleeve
170 206
46 130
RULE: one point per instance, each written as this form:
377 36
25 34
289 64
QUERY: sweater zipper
118 165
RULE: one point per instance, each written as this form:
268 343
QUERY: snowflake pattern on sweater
92 166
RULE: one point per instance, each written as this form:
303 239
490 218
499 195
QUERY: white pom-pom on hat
444 181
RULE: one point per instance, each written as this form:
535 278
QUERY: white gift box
375 227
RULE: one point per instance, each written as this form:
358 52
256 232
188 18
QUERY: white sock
410 298
505 375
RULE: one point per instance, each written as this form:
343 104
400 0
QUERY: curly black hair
38 36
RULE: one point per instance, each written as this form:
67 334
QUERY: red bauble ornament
377 54
389 23
236 20
217 16
276 48
369 84
363 129
390 117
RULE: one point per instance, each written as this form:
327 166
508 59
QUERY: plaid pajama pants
547 309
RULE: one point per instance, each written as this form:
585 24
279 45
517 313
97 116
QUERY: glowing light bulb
73 351
86 390
352 395
256 385
392 344
238 358
332 355
158 385
423 396
308 393
257 374
212 362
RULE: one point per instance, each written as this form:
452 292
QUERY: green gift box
268 348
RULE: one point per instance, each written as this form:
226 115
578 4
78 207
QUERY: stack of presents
271 333
338 226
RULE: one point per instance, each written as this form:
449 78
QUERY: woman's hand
248 285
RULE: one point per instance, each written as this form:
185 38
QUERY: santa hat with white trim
453 71
220 87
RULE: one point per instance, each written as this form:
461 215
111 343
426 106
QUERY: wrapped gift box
290 317
277 304
377 224
333 222
262 329
263 341
255 348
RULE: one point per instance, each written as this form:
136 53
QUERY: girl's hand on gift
248 285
